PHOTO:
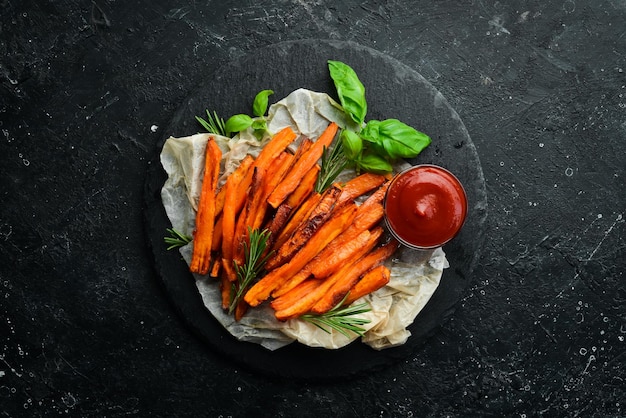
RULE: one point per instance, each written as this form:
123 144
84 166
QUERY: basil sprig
375 144
240 122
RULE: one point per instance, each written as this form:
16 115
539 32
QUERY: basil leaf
259 124
370 131
238 123
374 163
394 139
350 90
259 106
352 144
400 140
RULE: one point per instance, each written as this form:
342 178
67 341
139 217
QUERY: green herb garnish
253 265
176 239
375 145
340 319
333 163
213 123
240 122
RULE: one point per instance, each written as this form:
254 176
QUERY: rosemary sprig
214 124
176 239
253 265
340 319
333 163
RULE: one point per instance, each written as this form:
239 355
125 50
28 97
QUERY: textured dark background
86 90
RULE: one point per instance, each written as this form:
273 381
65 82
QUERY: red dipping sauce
425 206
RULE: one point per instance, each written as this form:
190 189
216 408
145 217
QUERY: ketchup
425 206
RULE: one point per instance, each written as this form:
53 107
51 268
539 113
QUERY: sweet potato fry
296 305
228 269
239 173
276 171
233 192
272 177
287 208
216 267
329 261
235 178
279 142
305 188
369 283
248 214
349 278
333 227
298 217
359 186
377 197
302 165
292 282
225 289
216 244
331 258
322 211
297 292
347 241
241 309
205 217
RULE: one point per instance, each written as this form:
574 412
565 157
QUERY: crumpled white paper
414 275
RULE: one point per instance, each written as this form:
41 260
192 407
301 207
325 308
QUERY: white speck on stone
154 128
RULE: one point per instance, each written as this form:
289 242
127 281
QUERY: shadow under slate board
392 90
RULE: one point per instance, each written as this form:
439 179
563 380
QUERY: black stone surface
87 92
405 95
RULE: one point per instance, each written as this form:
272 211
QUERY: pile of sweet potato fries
323 248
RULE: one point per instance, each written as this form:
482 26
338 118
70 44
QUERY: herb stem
340 319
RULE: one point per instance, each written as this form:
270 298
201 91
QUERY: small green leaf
370 131
238 123
259 107
394 139
374 163
400 140
352 144
259 124
350 90
176 239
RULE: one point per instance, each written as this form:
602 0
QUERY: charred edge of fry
320 213
215 267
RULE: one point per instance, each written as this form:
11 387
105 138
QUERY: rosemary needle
253 264
213 124
176 239
340 319
333 163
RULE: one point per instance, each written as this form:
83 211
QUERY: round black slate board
392 90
